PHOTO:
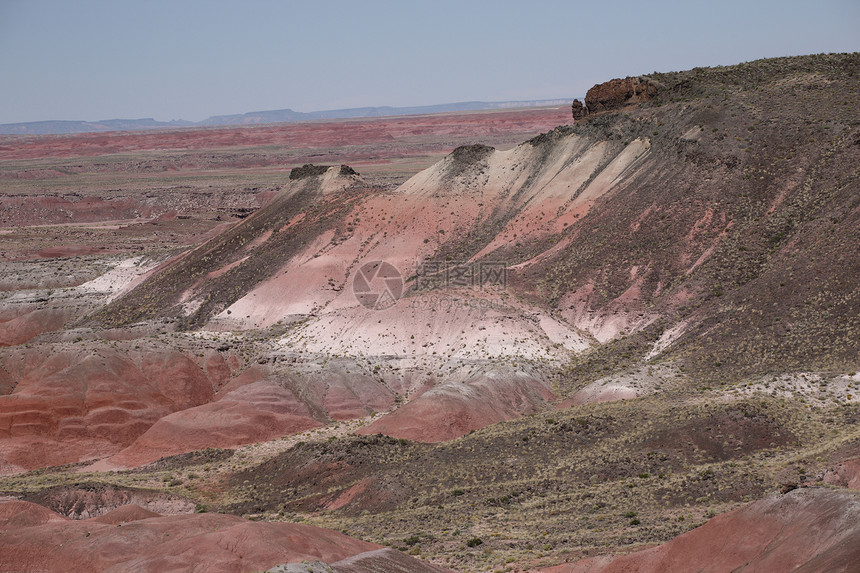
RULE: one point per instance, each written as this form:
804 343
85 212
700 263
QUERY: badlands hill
591 341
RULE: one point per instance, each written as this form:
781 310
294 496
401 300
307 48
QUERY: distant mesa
615 94
260 117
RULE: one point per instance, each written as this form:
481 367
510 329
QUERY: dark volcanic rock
468 159
470 153
307 170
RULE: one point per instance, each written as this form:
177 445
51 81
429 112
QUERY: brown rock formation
615 94
578 109
618 93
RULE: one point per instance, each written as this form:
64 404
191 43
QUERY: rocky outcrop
618 93
578 109
307 170
615 94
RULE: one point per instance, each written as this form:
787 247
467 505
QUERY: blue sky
184 59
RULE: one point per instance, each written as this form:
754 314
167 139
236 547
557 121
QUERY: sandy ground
124 276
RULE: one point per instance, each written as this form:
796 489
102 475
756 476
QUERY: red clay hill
133 539
654 309
804 530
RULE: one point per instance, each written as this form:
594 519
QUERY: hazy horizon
95 60
489 105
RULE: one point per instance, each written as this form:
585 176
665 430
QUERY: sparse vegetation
717 282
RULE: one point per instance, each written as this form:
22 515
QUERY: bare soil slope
805 530
598 338
133 539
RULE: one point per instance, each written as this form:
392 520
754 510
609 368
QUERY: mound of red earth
31 323
452 410
254 413
19 514
809 530
125 514
62 404
133 539
66 406
845 474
